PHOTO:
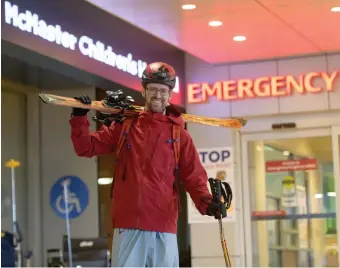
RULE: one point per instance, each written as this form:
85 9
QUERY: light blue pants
138 248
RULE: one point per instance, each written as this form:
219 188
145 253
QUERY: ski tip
243 122
43 97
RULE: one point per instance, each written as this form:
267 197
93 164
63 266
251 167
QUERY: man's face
156 97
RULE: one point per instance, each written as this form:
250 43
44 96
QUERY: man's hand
218 210
79 111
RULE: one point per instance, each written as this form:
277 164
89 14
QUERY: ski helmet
159 72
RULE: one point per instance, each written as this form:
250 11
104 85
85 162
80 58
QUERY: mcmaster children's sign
262 87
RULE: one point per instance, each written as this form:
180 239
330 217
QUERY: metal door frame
336 171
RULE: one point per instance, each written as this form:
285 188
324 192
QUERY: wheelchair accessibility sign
77 197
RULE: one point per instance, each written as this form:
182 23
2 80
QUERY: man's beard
156 105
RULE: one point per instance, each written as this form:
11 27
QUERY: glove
216 209
80 111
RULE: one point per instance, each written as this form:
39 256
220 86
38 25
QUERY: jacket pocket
169 191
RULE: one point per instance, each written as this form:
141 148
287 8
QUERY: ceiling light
335 9
188 7
331 194
215 23
104 181
239 38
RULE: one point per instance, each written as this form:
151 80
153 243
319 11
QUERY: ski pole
13 164
218 192
68 229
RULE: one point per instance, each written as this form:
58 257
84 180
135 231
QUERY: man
145 196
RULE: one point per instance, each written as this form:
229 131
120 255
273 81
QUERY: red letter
229 90
292 83
208 91
308 83
329 80
262 90
244 88
278 82
194 89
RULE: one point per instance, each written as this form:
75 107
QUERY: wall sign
30 22
87 46
289 196
276 86
268 213
218 162
78 197
291 165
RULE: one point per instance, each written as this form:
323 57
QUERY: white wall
58 159
206 248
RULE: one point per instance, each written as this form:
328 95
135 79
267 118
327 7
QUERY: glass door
290 196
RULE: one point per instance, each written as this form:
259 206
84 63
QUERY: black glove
79 111
216 209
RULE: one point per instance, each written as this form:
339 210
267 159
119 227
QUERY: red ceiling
274 28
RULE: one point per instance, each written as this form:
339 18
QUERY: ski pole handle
217 190
12 163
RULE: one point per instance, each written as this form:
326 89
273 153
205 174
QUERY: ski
118 104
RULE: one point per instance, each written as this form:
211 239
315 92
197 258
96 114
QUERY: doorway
291 193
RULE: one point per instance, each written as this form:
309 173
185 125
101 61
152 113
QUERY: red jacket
143 193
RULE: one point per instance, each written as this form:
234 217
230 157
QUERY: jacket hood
172 114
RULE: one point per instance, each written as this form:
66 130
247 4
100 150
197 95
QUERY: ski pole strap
227 194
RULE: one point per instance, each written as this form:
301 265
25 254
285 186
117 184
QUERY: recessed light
105 181
335 9
215 23
188 7
239 38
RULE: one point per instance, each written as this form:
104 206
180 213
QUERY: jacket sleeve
193 175
86 144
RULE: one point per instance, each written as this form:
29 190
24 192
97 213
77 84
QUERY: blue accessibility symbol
77 197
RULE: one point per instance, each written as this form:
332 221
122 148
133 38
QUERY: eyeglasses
162 91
